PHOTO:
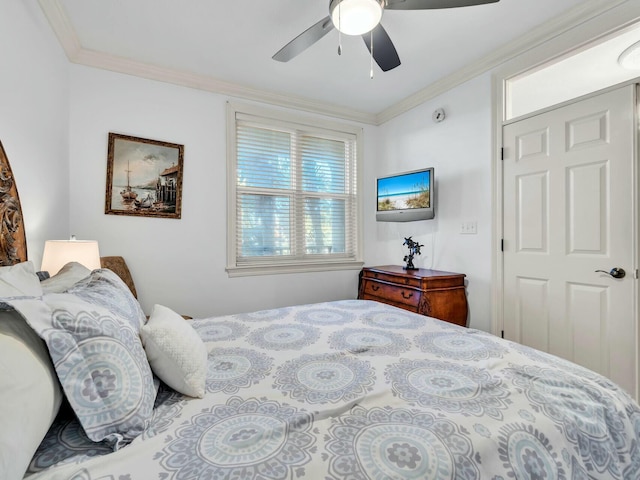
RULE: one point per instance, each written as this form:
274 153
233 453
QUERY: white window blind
295 194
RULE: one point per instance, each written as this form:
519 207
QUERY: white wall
54 121
34 126
54 125
178 263
460 150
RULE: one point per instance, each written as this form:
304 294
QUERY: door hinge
502 334
636 274
502 153
502 244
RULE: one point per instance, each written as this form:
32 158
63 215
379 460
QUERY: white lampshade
355 17
57 253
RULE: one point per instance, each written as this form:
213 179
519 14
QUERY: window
292 193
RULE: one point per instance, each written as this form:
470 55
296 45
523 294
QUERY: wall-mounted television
406 197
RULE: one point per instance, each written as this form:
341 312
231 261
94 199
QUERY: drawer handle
405 296
375 287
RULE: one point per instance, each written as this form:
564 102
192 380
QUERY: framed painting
144 177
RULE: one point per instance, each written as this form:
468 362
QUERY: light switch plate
469 228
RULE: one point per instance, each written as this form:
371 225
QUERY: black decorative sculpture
414 249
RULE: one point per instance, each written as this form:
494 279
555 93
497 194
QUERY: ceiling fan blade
432 4
303 41
384 53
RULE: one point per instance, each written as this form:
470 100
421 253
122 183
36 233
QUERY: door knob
615 272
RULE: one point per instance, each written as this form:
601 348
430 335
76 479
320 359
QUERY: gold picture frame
144 177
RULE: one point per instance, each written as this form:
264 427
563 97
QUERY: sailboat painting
144 177
128 195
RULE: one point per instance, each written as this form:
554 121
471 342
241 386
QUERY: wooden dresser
428 292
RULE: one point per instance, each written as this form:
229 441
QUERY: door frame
613 22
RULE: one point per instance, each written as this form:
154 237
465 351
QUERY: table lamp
57 253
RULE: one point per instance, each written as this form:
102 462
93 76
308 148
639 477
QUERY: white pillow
175 351
19 280
30 394
66 278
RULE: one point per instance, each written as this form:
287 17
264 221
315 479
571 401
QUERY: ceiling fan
362 17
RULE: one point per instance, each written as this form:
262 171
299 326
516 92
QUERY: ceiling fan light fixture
355 17
630 58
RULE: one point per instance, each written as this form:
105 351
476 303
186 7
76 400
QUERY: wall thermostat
438 115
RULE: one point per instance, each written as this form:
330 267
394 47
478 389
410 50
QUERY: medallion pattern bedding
360 390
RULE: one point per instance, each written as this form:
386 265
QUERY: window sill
326 266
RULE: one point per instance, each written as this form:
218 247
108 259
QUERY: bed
350 389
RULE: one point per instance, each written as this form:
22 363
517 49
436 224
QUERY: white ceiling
227 46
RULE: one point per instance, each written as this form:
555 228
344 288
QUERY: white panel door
568 211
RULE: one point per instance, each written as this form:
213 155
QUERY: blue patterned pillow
103 287
99 360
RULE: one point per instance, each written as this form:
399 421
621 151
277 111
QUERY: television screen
406 196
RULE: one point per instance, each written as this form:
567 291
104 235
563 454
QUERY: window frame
275 265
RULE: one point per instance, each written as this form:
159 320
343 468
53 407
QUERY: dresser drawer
392 292
397 279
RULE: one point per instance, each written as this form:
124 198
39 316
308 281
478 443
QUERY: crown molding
535 37
68 38
202 82
61 26
561 24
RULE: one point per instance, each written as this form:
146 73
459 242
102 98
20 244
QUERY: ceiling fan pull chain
339 31
371 57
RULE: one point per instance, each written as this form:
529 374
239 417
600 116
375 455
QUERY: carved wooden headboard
13 243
